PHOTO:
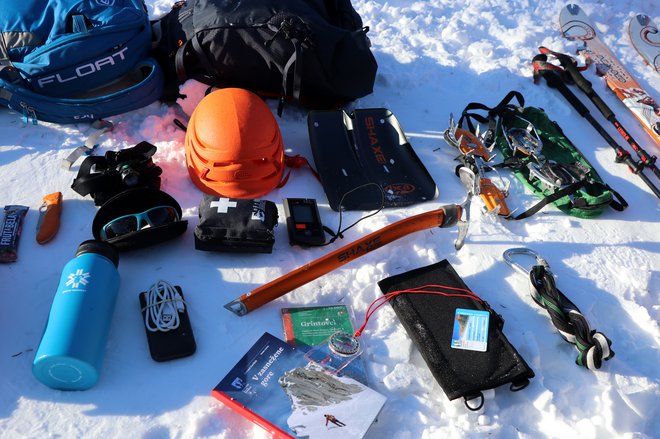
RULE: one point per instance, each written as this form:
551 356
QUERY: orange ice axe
446 216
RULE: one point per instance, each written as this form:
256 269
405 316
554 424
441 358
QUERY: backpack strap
182 51
295 30
296 61
100 127
7 69
79 24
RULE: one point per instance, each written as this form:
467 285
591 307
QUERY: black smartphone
175 343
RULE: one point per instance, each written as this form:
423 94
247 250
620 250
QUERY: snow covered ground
434 57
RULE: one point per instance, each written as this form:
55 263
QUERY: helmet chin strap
295 162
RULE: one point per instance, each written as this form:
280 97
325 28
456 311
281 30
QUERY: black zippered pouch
430 320
235 225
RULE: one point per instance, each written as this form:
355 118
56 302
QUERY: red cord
294 162
417 290
298 161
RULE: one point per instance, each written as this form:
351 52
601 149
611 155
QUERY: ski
575 25
645 39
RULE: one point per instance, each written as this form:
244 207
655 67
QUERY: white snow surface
434 57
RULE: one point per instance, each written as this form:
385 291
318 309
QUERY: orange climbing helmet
234 146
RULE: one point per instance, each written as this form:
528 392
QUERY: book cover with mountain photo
277 388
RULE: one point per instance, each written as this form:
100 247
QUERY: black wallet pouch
429 320
236 225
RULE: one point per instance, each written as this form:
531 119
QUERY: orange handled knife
49 217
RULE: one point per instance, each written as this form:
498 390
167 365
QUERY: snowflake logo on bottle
80 277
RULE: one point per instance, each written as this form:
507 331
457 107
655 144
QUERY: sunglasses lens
162 215
120 226
154 217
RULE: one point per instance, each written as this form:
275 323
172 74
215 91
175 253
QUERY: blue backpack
70 61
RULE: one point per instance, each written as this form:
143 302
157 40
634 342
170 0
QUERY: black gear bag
315 52
430 321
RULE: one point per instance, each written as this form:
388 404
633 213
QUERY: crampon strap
567 190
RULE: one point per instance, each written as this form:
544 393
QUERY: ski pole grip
554 81
576 75
602 106
588 89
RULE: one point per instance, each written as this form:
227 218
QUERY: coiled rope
593 346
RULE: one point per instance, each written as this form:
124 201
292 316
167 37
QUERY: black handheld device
303 222
174 343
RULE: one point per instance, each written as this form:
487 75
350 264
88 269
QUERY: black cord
339 233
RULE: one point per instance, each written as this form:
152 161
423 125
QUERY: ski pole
622 156
587 88
445 216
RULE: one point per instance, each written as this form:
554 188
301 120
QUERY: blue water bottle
71 351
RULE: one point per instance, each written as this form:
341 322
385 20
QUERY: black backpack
315 52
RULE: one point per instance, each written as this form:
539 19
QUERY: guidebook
275 387
309 326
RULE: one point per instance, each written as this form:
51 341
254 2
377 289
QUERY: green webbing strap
620 204
514 162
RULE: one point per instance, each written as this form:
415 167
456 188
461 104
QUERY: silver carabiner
523 251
